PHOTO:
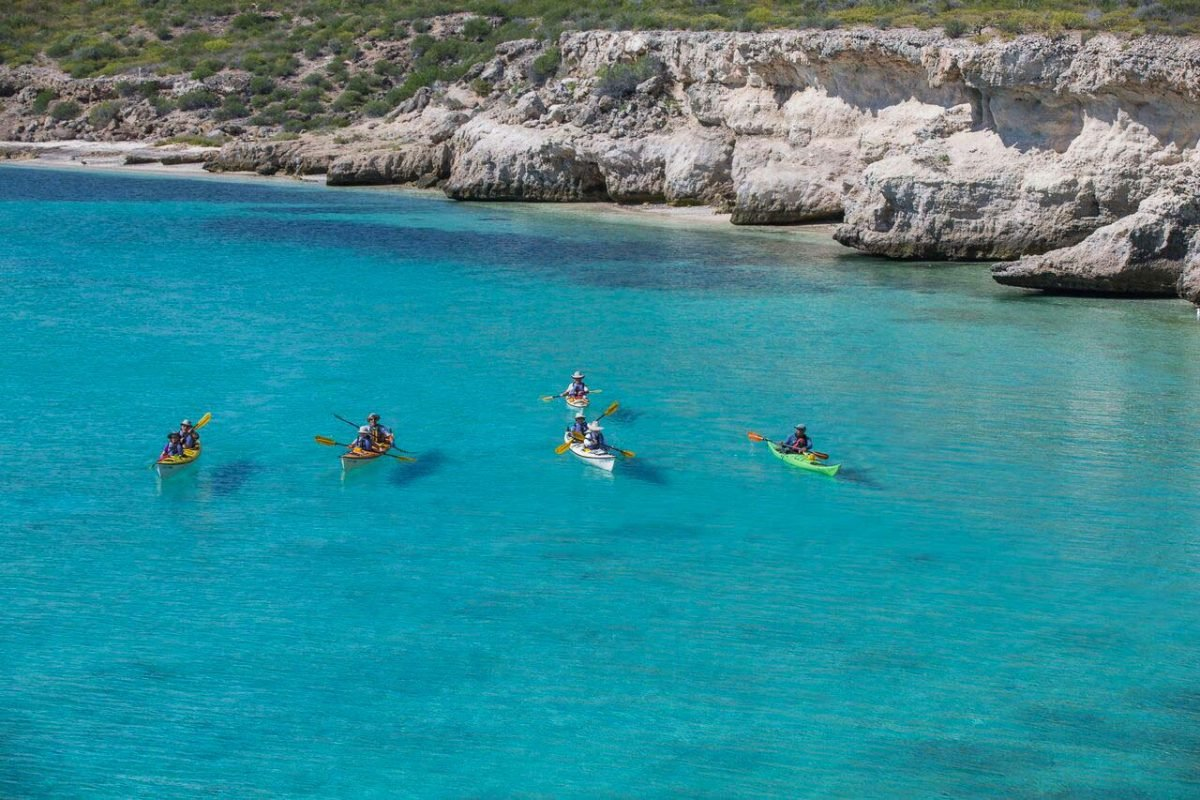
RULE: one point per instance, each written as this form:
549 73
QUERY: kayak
804 461
578 402
355 457
173 465
602 461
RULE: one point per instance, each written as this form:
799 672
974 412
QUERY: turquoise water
996 598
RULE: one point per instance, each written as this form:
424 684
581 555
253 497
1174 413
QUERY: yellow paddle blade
628 453
562 448
577 436
324 440
203 420
399 458
609 410
548 398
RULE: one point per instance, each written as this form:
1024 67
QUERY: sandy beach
87 155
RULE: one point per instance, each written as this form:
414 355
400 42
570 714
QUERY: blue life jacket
189 439
172 449
364 442
595 441
579 427
797 442
577 388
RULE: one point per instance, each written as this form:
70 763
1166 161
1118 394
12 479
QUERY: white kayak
602 460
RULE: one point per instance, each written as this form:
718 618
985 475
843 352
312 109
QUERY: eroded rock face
411 163
1189 281
269 158
507 162
1145 253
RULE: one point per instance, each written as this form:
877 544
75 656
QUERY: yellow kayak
172 465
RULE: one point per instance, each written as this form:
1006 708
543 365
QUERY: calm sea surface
996 598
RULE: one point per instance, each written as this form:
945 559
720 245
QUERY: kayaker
364 440
173 446
580 425
577 388
378 432
189 437
798 442
594 440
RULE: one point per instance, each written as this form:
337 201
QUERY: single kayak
173 465
578 402
355 457
804 461
599 460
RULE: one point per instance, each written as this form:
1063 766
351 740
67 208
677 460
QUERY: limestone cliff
1067 153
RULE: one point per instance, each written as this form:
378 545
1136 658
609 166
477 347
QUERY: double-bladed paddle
356 426
754 437
550 397
325 440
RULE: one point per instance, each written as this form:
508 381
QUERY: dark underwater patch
227 479
693 262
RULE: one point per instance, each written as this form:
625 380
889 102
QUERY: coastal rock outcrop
409 163
495 161
921 145
1142 254
269 158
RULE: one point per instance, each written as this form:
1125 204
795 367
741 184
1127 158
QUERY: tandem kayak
804 461
602 461
578 402
355 457
173 465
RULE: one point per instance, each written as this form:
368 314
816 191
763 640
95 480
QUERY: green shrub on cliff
546 65
65 110
620 80
42 101
103 113
198 99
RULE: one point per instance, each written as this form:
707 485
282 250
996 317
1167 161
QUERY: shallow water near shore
996 597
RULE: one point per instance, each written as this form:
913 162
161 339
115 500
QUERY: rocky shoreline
1072 161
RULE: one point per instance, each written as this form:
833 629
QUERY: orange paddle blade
754 437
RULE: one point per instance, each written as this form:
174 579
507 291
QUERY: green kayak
804 462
